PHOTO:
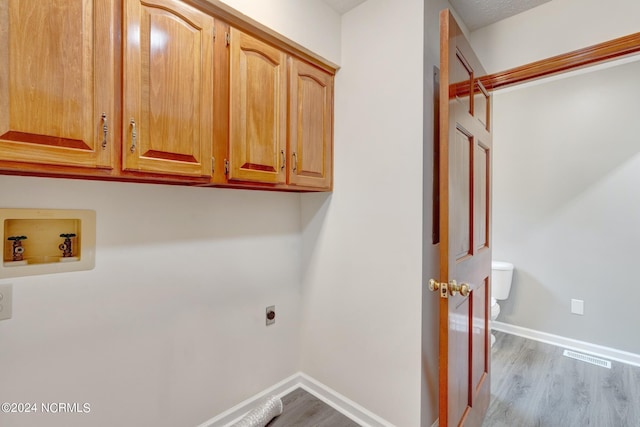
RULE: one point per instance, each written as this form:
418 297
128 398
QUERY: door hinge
227 38
226 167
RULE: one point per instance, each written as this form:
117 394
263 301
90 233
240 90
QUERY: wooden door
57 82
258 110
168 88
465 219
310 125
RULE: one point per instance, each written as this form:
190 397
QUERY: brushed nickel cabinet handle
295 161
284 159
134 135
105 131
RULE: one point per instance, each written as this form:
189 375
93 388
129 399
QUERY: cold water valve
66 247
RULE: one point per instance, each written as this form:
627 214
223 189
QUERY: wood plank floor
302 409
534 385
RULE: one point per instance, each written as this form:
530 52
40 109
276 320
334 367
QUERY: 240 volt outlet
271 315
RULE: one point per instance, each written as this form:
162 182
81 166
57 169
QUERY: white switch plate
6 297
577 306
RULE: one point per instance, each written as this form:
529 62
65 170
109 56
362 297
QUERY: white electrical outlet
6 296
577 306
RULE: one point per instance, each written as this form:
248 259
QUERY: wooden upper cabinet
310 126
260 148
57 82
199 100
167 123
257 110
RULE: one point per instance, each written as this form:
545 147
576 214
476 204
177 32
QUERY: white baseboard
342 404
585 347
329 396
232 415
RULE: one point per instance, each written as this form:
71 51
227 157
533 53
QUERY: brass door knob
463 288
452 288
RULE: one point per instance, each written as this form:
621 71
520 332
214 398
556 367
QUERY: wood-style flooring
302 409
534 385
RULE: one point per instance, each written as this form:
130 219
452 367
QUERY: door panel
481 193
479 325
57 81
465 217
461 190
458 387
482 105
168 88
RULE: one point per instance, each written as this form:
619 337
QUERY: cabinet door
310 126
257 128
168 88
57 82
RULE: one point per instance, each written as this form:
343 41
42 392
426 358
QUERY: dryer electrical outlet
270 315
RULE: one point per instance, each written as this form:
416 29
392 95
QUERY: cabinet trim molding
252 27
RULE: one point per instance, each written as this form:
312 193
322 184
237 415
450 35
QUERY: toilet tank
501 276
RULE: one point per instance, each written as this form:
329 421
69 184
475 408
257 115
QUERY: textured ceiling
480 13
343 6
474 13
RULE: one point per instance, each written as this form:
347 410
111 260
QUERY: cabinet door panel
311 126
168 88
257 110
57 82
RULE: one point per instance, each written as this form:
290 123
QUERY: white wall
168 329
310 23
362 271
553 28
555 205
566 210
345 270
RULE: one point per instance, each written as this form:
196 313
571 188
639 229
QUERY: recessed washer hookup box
44 241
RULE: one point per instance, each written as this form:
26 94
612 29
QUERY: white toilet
501 275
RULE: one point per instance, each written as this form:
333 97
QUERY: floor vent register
587 358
